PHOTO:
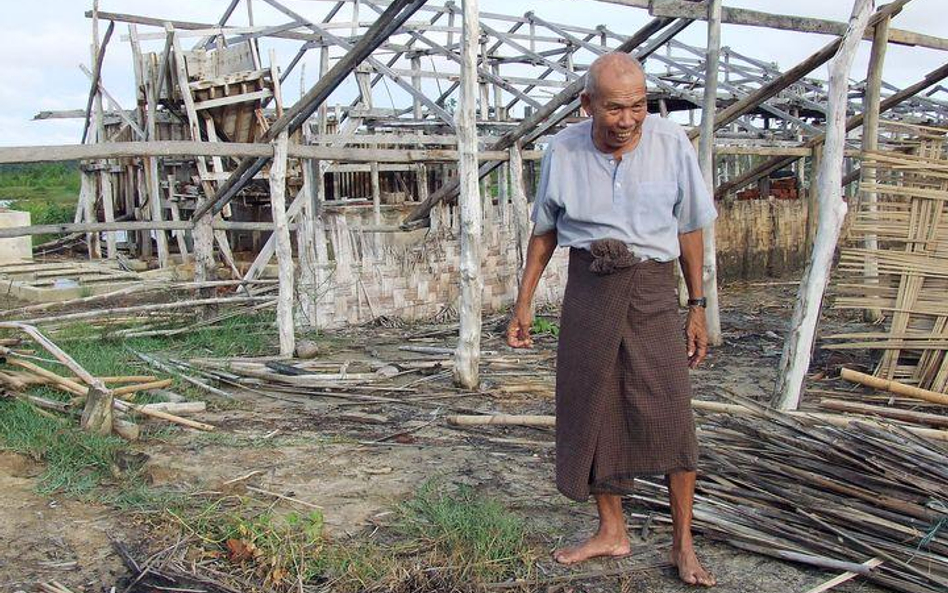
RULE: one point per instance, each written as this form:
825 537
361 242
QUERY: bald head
614 66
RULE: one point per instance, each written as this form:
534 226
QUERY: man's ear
585 99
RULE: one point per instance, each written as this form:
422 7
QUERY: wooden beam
765 92
173 148
756 18
775 164
530 124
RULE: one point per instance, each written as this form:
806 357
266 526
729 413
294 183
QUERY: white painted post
795 360
284 249
467 355
706 160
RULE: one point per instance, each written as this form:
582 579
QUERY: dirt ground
357 461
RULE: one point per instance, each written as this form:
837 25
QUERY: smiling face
617 103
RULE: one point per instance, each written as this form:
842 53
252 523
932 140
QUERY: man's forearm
692 262
539 251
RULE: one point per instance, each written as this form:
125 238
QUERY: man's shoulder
572 138
662 126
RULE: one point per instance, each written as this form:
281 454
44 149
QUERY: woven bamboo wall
909 224
760 238
392 276
419 281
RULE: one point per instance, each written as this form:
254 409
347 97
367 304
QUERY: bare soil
357 461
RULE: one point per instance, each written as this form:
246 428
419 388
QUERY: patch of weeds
541 325
76 461
140 497
475 538
280 550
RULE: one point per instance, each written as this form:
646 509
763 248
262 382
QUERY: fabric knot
610 256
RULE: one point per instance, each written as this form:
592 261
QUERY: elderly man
625 194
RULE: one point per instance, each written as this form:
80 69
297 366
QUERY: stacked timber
861 499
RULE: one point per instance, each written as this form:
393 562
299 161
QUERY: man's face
618 107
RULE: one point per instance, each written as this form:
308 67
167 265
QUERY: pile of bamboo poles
103 404
841 498
897 266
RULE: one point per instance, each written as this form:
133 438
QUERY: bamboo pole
467 355
797 351
894 387
870 142
284 249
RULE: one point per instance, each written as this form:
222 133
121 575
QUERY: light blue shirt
647 199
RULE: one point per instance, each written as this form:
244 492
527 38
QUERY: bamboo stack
910 224
835 497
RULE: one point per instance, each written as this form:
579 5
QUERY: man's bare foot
689 569
597 546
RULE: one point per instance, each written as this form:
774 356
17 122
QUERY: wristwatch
702 302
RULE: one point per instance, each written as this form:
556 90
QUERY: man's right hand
518 330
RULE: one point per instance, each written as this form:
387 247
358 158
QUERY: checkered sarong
623 396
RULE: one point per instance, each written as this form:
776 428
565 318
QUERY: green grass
476 538
48 191
76 461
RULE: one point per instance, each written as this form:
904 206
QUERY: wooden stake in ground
832 211
706 160
97 415
467 355
284 249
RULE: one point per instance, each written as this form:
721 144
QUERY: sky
45 42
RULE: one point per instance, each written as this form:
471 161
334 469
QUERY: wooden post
176 216
519 199
706 160
870 141
203 233
376 205
467 355
105 177
416 84
87 201
795 360
284 249
305 239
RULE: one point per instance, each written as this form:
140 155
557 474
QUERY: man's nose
625 118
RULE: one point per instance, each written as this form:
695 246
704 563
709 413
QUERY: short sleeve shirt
646 199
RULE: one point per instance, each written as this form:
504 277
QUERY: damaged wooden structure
213 171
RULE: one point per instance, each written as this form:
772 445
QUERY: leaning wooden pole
468 353
706 160
832 211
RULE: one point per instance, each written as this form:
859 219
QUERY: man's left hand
696 335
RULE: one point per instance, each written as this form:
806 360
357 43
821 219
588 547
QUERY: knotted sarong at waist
623 395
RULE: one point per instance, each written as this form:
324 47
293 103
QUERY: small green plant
474 537
542 325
